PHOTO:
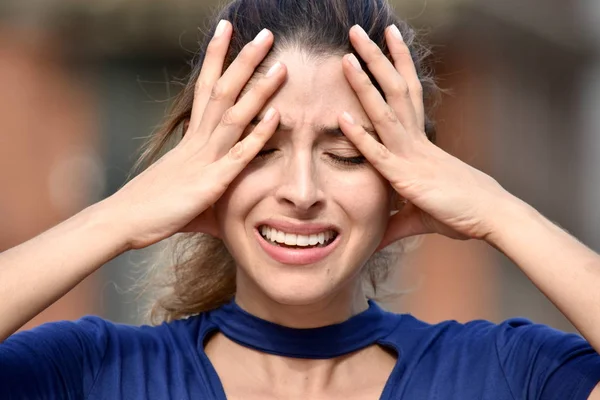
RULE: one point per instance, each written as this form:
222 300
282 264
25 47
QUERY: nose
300 184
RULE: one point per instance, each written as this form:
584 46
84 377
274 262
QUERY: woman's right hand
176 193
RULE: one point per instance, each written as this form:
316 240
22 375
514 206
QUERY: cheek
364 193
248 189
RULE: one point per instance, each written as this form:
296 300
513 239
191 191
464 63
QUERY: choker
358 332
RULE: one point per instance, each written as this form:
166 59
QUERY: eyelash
346 161
352 161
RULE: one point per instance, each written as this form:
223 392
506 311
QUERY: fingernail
354 61
269 115
362 32
396 32
273 70
348 117
220 28
261 37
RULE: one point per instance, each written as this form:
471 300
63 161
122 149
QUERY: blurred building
84 82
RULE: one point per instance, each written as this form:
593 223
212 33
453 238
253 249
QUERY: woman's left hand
443 194
449 197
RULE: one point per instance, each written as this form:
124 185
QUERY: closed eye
348 161
345 161
264 153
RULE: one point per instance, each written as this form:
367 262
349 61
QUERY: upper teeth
292 239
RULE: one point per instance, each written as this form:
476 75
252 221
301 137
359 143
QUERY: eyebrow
331 131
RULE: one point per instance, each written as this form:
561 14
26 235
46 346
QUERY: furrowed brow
337 132
322 129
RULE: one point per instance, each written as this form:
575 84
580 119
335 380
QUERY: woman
297 166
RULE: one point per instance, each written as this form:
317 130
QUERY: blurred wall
83 83
48 148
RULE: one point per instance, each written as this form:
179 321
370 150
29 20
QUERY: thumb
405 223
204 223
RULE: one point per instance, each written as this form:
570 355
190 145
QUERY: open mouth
296 241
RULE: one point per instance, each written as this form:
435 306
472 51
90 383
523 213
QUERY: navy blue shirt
96 359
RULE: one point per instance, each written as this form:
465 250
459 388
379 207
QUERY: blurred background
82 83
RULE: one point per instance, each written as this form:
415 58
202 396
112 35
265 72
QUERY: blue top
95 359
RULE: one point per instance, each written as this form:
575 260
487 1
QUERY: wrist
511 219
101 221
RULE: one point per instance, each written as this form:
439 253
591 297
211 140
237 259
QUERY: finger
375 152
392 83
406 67
383 116
228 88
230 165
236 119
211 71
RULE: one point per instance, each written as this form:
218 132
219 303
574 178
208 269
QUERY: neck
332 309
305 378
279 361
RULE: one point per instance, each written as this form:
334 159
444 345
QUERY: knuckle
405 93
230 118
382 153
218 92
401 52
417 88
203 86
237 152
400 87
261 135
404 90
387 116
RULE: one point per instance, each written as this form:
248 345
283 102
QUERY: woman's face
310 184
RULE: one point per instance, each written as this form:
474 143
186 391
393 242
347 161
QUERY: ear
404 222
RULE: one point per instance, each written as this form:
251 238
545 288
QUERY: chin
297 296
300 286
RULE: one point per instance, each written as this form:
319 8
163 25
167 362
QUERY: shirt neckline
357 332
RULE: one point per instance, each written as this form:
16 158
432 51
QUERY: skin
445 196
298 179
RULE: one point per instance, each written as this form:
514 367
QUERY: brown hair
202 275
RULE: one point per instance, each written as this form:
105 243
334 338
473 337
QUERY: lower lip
298 256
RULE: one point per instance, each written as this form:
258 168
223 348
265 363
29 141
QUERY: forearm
38 272
564 269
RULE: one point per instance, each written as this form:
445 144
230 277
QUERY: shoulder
181 333
504 332
529 359
93 339
94 357
417 338
501 338
97 330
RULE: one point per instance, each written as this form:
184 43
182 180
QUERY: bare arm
595 395
564 269
38 272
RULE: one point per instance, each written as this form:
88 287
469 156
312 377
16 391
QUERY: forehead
315 91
